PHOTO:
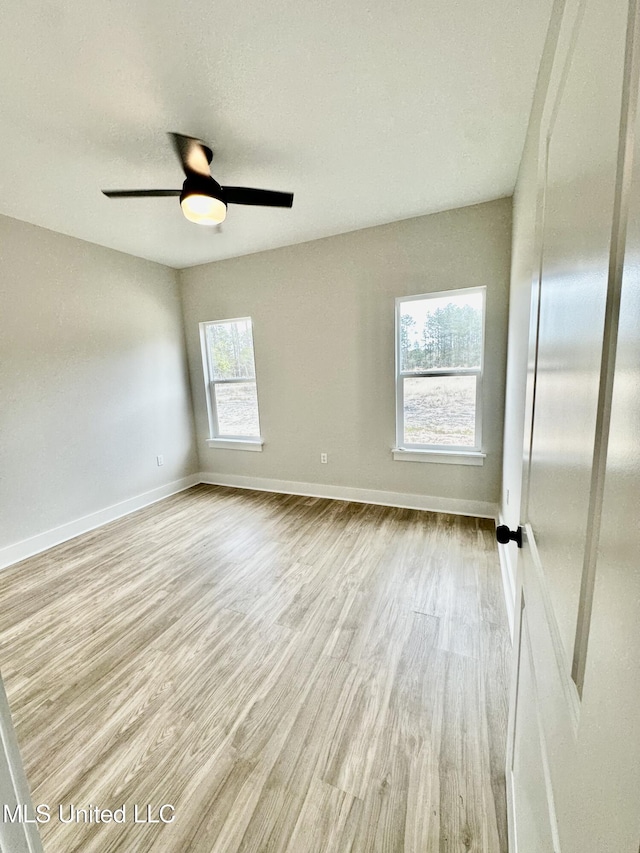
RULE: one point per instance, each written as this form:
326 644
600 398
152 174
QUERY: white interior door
574 751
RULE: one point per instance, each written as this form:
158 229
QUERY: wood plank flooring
291 674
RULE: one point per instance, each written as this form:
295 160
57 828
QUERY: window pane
237 409
440 410
442 332
230 347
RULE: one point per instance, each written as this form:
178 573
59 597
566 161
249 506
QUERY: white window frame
216 440
464 454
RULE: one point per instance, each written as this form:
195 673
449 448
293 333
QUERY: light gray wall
323 315
93 379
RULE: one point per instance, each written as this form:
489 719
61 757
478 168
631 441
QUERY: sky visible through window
419 309
441 333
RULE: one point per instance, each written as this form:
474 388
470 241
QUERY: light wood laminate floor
291 674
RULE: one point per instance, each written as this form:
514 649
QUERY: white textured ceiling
368 111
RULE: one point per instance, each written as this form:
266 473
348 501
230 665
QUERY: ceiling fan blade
194 155
247 195
140 193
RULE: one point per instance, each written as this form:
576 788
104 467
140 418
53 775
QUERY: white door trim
16 837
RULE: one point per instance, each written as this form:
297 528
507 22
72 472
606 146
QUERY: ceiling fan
202 198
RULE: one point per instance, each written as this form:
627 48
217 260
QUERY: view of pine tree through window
232 379
440 366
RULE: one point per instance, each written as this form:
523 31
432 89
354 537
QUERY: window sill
448 457
254 444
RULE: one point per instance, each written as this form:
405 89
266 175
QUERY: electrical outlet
324 458
160 461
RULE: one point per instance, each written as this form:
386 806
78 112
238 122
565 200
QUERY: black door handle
504 535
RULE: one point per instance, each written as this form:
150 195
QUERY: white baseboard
478 509
18 551
11 554
508 569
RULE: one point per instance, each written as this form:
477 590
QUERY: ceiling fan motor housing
202 185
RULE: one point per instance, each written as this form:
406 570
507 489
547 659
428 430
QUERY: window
439 357
230 379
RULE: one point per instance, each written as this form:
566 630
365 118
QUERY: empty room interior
319 418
